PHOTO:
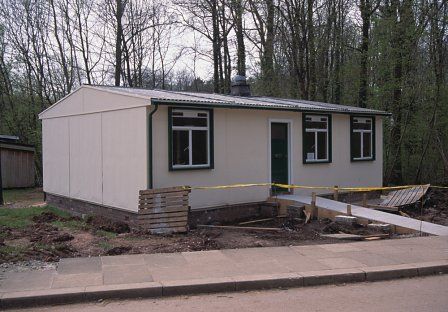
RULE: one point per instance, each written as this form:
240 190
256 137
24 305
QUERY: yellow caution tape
439 187
289 186
218 187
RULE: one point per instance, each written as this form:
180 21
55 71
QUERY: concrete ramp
371 214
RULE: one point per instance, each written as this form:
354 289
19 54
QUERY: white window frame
317 118
191 114
362 131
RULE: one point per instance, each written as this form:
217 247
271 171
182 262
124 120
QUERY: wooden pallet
400 198
164 210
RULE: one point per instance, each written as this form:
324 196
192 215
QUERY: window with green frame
362 138
190 138
316 138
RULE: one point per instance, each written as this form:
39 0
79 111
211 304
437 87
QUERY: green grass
105 245
106 234
71 224
15 195
12 251
22 217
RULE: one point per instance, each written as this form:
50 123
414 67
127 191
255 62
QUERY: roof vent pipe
239 86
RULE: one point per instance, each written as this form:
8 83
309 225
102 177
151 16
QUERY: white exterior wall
242 155
94 150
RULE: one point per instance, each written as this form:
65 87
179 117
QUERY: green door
279 155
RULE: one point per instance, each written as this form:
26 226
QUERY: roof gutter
150 150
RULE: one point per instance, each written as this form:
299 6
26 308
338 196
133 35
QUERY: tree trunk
118 40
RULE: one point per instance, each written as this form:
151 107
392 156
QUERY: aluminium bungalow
102 145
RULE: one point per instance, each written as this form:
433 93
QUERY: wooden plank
165 225
165 201
343 236
163 215
169 220
248 228
151 210
178 229
164 208
407 196
255 221
163 196
164 190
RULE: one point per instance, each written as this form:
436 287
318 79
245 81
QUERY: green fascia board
205 104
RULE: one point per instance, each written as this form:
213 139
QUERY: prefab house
102 145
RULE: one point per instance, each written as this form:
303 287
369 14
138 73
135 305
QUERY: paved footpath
156 275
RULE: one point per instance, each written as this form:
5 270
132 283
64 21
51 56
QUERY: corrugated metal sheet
253 102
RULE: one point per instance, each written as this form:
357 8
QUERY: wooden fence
164 210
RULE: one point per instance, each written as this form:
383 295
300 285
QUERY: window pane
362 123
189 121
200 152
316 125
180 147
356 144
309 145
321 145
367 150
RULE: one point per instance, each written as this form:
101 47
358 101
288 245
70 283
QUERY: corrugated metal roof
253 102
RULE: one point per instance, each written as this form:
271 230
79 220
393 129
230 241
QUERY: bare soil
51 235
435 207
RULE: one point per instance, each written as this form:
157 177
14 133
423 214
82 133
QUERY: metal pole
1 184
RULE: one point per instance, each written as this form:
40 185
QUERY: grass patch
12 251
71 224
105 245
106 234
15 195
22 217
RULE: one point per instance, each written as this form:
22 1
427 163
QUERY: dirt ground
435 208
48 234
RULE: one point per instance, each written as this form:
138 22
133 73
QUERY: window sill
184 168
362 159
306 162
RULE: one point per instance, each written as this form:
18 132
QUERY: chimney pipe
239 86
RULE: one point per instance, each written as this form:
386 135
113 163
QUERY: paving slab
296 263
77 280
123 260
315 251
368 258
21 281
165 260
341 263
79 265
122 274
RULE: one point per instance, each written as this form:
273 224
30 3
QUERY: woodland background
383 54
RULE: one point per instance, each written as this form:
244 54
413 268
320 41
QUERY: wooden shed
17 163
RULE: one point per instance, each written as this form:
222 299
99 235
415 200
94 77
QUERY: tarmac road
417 294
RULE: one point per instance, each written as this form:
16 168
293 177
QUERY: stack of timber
165 210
